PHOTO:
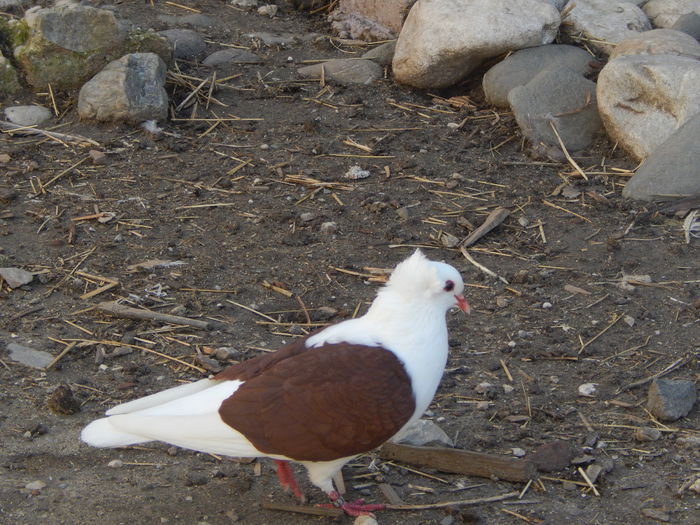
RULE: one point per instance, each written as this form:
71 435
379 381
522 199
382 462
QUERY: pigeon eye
449 286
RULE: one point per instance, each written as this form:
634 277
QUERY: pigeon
321 400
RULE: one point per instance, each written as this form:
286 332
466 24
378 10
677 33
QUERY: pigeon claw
287 480
355 508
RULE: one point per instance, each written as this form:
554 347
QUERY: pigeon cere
349 261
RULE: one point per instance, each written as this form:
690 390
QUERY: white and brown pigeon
319 401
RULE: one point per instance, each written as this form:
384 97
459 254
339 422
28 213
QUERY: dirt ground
241 207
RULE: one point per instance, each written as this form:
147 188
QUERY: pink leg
356 508
287 479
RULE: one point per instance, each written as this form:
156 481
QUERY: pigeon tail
103 434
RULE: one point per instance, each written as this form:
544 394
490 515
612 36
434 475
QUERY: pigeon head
420 279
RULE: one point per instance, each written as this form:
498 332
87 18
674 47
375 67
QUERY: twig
496 217
481 267
665 371
59 137
302 509
588 481
56 359
614 321
119 310
457 503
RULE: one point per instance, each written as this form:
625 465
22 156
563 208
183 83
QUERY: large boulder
520 67
561 98
644 99
665 13
442 41
67 45
603 23
658 42
129 89
672 169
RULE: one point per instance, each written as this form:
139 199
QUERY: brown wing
253 367
324 403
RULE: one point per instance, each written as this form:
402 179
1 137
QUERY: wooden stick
481 267
302 509
462 461
495 218
119 310
457 503
56 359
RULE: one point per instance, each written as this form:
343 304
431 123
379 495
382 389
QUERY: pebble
225 352
518 452
29 356
16 277
656 514
547 305
552 457
365 520
268 10
329 227
35 485
647 434
669 400
115 463
98 157
28 115
587 389
307 216
356 173
593 471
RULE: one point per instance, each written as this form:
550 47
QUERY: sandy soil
242 204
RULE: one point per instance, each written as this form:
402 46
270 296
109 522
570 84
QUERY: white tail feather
186 416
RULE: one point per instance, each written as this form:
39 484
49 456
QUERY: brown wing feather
323 403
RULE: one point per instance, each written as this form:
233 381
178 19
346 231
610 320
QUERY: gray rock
187 44
345 71
421 432
553 456
9 80
383 54
647 434
271 39
29 356
67 45
14 7
658 42
671 169
244 3
231 56
520 67
130 89
16 277
603 22
644 99
28 115
561 97
689 24
670 400
442 42
665 13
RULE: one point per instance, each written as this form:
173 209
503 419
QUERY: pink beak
462 304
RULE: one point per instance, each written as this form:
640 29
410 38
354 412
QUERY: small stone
670 400
518 452
172 451
587 389
115 463
208 363
656 514
447 520
483 405
508 389
404 212
448 240
28 115
584 459
547 305
593 471
196 479
268 10
356 173
35 485
422 432
225 353
29 356
98 157
364 520
523 221
16 277
329 228
552 457
307 216
647 434
483 387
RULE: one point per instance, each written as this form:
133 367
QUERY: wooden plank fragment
461 462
